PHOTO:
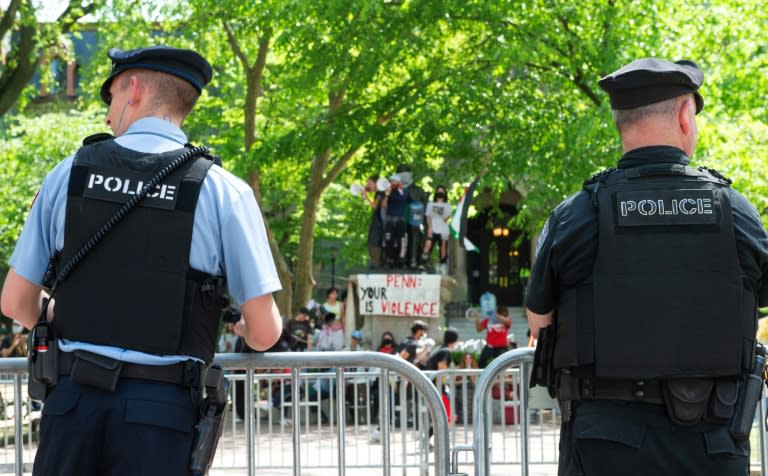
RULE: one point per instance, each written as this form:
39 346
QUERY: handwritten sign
405 295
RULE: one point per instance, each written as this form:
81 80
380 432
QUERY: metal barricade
297 415
25 417
339 361
482 446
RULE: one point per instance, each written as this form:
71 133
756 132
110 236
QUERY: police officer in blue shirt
644 296
138 316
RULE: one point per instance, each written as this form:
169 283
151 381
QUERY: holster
211 423
750 391
543 371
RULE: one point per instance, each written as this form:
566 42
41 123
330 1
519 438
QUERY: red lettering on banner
408 308
409 281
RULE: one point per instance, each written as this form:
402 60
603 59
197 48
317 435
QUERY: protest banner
402 295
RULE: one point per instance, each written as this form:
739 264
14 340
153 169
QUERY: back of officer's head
164 91
172 78
653 89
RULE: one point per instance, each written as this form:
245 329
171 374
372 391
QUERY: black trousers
609 438
142 428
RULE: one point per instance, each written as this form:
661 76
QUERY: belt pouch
96 370
686 399
722 403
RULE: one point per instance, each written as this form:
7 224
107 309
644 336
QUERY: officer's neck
159 112
176 120
650 133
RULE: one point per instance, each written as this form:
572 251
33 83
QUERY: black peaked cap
185 64
650 80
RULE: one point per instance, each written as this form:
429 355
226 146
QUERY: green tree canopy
309 97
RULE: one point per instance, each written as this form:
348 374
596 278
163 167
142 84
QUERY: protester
374 197
437 214
396 199
496 334
299 331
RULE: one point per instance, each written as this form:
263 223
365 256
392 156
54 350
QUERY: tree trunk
284 298
305 281
14 79
253 75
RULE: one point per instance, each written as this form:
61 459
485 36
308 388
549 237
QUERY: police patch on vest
119 185
666 208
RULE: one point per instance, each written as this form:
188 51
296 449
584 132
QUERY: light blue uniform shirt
228 235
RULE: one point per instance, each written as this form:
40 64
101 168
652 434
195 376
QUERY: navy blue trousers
609 438
143 428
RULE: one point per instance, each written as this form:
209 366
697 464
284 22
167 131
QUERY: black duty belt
189 373
641 391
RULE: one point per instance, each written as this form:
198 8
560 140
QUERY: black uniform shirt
567 247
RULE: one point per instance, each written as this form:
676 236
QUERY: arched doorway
502 252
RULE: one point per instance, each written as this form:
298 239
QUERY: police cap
185 64
650 80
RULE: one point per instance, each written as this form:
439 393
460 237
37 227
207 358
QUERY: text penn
126 186
683 206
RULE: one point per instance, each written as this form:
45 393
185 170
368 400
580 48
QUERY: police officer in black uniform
644 295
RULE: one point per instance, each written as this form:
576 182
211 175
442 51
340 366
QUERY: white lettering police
126 186
683 206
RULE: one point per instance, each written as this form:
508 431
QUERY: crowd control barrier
319 412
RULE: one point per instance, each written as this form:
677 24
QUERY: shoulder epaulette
98 137
595 180
213 158
716 174
598 176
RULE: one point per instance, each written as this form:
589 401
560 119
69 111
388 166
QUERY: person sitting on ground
299 331
388 343
357 341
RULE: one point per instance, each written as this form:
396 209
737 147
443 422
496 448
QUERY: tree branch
233 44
338 166
70 16
8 17
261 58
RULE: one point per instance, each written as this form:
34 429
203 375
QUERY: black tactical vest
135 289
668 297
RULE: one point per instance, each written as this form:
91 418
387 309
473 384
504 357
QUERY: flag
458 224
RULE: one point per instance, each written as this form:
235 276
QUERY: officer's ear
686 115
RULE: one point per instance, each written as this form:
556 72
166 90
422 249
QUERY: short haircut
419 326
624 118
167 90
330 290
450 336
